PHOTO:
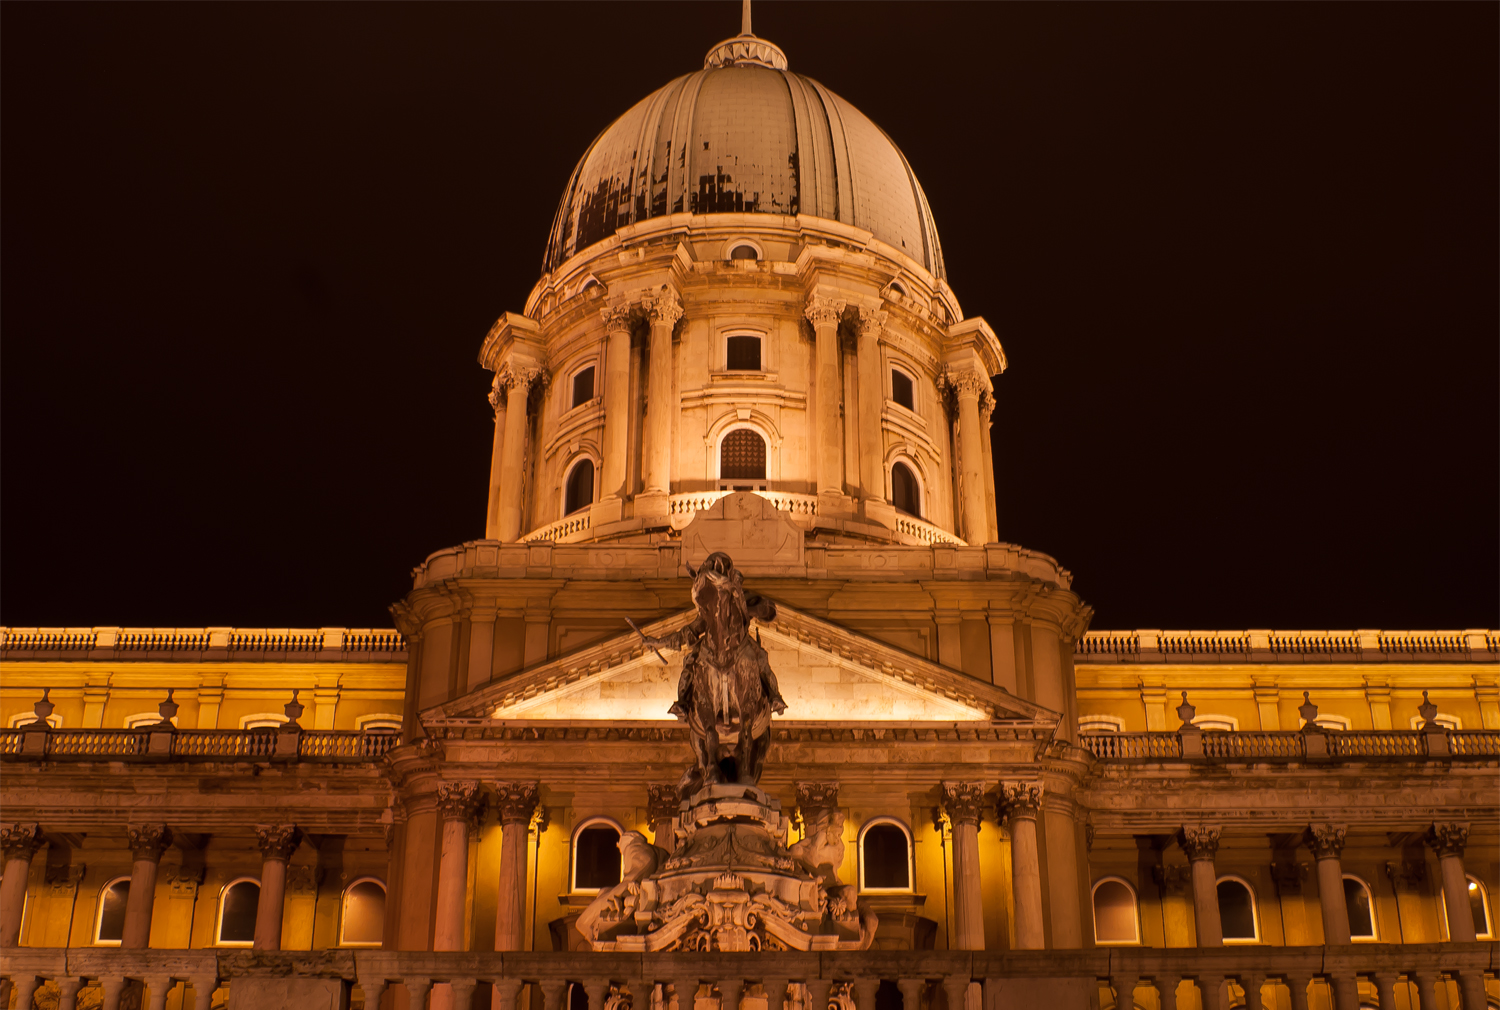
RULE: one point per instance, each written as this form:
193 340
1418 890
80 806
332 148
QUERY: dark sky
1242 259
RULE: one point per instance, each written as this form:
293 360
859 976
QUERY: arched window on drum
578 490
885 856
742 461
238 904
596 855
1116 913
906 492
1237 912
362 917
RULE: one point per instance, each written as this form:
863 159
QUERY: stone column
277 843
517 803
824 314
1201 843
987 466
662 807
1448 839
19 842
663 310
457 805
518 379
1019 804
871 324
147 843
616 408
1327 844
497 458
968 386
964 803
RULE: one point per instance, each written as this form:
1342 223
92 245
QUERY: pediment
827 673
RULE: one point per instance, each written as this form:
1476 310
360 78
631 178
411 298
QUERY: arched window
902 390
1479 907
1361 908
27 718
262 720
1116 919
362 917
109 921
884 856
742 456
906 493
580 487
142 720
744 251
583 386
596 855
379 722
742 354
1443 719
237 906
1217 723
1100 724
1237 912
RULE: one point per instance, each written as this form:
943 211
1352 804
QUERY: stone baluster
1211 992
25 987
824 314
1019 805
775 989
1471 988
203 993
19 843
1166 986
617 323
685 991
1124 987
554 993
864 992
1201 843
956 988
1385 988
508 990
963 802
1251 982
817 993
663 309
147 843
517 804
911 992
417 988
869 324
67 993
730 990
1428 985
1448 839
1296 985
1345 986
458 803
158 987
277 842
497 457
518 380
596 989
1327 844
968 386
114 988
461 992
662 806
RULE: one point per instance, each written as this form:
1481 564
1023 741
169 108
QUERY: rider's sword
638 631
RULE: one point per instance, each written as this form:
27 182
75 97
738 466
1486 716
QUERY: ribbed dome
741 137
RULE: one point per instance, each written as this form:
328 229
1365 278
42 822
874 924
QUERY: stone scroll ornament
731 883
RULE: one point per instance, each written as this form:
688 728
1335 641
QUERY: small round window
744 251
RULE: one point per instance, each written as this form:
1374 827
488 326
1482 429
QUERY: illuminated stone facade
775 369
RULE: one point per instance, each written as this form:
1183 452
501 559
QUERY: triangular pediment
827 673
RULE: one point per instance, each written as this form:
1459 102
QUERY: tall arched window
1116 919
109 921
742 456
362 917
1479 907
580 487
1237 912
884 856
906 493
237 906
596 855
1361 909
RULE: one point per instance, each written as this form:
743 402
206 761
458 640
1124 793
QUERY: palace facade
743 342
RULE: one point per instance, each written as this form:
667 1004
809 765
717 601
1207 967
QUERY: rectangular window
901 390
744 354
583 386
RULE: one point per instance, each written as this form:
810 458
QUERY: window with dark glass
1361 916
887 857
112 915
905 494
744 252
364 913
1236 910
583 386
744 354
596 858
742 456
580 490
1479 908
237 912
901 390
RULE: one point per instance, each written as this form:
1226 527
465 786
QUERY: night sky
1243 260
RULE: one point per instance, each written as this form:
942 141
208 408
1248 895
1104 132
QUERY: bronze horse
727 691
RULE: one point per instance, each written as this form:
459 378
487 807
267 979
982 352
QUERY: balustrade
1292 745
1277 977
166 743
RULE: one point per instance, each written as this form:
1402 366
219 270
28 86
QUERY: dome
744 135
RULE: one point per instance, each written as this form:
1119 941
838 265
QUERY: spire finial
745 18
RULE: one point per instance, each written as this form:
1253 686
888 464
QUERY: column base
834 505
652 504
610 510
874 510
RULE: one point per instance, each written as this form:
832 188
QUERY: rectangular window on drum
583 387
744 354
901 390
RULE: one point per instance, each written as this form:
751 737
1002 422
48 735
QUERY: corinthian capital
870 322
963 802
663 307
823 311
459 801
277 841
964 383
1198 841
148 841
616 315
1020 799
1326 840
516 801
662 803
20 841
1448 838
814 796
